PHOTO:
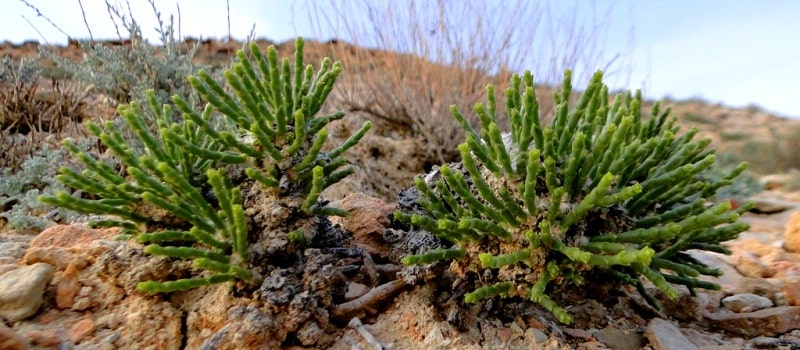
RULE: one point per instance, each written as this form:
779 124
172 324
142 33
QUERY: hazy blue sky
733 52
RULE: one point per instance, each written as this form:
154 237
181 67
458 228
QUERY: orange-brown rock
67 236
54 256
792 293
67 287
754 246
792 233
10 340
45 338
750 265
63 245
368 220
81 330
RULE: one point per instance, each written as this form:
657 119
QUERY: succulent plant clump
229 187
602 189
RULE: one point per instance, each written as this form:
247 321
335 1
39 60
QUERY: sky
732 52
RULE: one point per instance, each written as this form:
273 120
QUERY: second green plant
600 193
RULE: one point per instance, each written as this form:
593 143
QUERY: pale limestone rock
22 290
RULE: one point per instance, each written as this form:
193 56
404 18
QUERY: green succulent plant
601 189
179 196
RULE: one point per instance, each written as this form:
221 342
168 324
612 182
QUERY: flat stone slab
772 205
664 335
767 322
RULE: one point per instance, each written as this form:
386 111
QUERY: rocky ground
71 287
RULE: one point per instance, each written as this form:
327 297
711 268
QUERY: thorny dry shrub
35 115
415 99
126 68
31 110
422 57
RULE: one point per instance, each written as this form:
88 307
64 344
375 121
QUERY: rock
310 333
764 227
11 252
579 333
59 258
772 343
21 291
757 286
792 233
68 236
771 205
45 338
746 302
777 283
67 287
534 336
720 347
792 293
777 255
80 330
148 323
684 308
7 267
620 339
748 264
515 331
783 268
368 219
435 337
709 300
355 290
787 272
590 345
767 322
110 321
754 246
774 182
589 313
56 246
664 335
780 299
730 276
85 298
701 339
10 340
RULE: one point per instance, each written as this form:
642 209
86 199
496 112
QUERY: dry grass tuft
422 57
32 110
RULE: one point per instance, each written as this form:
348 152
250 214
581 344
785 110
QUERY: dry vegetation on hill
399 146
748 134
768 142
